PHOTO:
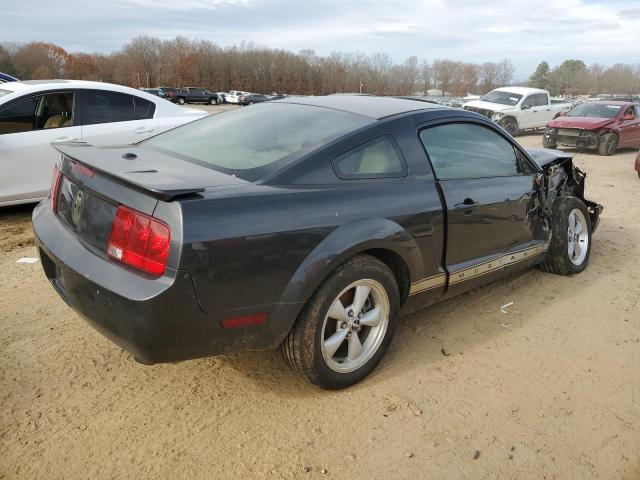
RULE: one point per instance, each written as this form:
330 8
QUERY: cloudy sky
605 31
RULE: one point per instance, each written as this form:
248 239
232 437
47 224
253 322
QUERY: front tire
346 326
212 101
181 101
571 239
608 144
548 143
510 124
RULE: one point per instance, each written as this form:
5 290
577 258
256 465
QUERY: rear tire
608 144
212 101
571 239
346 326
181 101
510 124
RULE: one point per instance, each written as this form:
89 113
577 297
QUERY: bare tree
505 72
181 62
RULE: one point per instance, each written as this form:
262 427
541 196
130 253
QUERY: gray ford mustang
308 224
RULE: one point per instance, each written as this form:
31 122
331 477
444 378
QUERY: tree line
148 61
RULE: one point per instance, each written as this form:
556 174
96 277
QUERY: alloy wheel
355 326
577 237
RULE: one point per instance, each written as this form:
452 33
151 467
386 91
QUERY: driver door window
19 117
459 150
40 112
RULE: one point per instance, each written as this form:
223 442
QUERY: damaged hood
584 123
546 156
494 107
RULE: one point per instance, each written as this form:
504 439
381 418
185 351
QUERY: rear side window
536 100
143 109
107 107
379 158
462 150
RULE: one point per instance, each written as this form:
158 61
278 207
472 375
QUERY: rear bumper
156 320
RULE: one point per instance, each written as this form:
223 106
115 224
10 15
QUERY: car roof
521 90
368 106
29 87
622 103
26 86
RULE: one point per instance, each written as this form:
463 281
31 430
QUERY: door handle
65 139
465 207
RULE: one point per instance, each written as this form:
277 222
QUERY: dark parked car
253 98
169 93
152 91
304 223
7 78
602 125
196 95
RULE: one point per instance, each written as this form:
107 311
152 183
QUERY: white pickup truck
518 108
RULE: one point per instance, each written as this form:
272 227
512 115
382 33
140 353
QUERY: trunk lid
153 173
95 181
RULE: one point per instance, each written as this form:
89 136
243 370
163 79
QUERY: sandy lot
549 390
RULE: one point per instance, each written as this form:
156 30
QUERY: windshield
252 142
5 92
503 98
594 110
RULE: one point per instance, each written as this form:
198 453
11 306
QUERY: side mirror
561 114
628 117
525 107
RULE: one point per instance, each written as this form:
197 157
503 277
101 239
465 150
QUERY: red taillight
55 187
139 241
82 170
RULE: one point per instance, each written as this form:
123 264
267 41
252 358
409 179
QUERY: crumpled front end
572 137
561 177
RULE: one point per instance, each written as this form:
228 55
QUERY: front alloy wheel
577 237
570 245
347 324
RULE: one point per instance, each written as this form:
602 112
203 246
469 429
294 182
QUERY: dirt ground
548 390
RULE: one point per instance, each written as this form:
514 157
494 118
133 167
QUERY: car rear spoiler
156 174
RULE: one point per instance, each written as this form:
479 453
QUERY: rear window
252 142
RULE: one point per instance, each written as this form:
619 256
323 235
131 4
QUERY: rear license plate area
86 214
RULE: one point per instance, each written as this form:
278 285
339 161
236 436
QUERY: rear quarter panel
275 245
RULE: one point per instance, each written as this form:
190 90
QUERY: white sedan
34 114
